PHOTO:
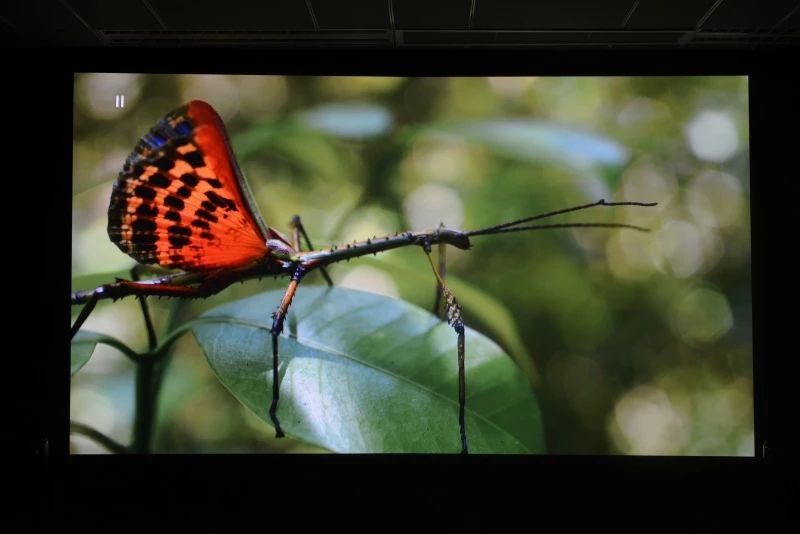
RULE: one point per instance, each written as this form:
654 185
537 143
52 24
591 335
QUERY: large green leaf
366 373
83 345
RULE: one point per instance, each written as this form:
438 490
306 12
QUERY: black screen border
49 78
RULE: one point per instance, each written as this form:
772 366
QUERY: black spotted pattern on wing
168 207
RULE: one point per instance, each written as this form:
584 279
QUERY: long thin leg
85 312
277 327
297 230
152 341
462 388
456 320
442 253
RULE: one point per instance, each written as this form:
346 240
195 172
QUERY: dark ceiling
577 24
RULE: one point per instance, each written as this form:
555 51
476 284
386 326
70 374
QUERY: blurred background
633 343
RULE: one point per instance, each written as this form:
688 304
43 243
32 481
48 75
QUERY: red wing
180 200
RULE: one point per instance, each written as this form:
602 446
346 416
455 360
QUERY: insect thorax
280 250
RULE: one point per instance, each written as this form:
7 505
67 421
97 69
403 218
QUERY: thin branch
97 436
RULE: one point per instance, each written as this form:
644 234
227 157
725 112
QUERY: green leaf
365 373
84 342
82 347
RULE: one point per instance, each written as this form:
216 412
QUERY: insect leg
152 342
85 312
455 320
297 230
209 285
277 327
442 254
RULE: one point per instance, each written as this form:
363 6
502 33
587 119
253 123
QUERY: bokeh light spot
97 93
648 423
681 247
712 136
431 204
261 94
218 90
445 158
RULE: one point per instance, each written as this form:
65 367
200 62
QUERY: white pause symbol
119 101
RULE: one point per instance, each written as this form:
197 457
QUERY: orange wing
181 201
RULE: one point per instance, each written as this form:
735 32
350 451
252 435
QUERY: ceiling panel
363 23
116 15
47 21
48 15
551 14
232 15
351 14
668 15
431 14
748 15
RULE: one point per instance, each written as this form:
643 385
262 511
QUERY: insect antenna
513 226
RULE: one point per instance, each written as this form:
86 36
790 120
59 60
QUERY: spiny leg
456 320
211 284
462 383
297 230
92 302
277 327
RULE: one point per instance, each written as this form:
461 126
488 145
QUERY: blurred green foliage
633 343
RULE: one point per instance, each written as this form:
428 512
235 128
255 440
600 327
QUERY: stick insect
181 202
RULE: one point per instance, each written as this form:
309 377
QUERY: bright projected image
291 264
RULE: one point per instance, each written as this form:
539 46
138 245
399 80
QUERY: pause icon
119 101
